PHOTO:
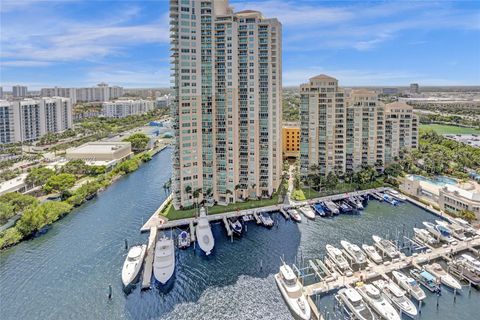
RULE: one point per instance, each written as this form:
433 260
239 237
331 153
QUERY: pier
148 267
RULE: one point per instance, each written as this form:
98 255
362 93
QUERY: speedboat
204 234
440 232
319 209
307 212
390 199
332 207
459 267
354 251
247 217
471 263
426 279
345 207
397 297
183 240
164 260
235 225
445 278
295 215
266 219
425 236
397 195
133 264
386 246
292 293
372 253
410 285
337 257
456 230
354 303
378 302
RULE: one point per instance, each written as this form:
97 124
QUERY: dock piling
109 292
126 244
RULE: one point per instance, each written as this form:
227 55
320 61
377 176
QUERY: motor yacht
266 219
354 251
426 279
354 303
183 240
372 253
133 264
397 297
358 203
337 257
458 267
440 232
445 278
235 225
164 260
455 230
390 199
332 207
319 209
466 226
292 292
378 302
410 285
205 239
425 236
295 215
397 195
471 262
307 212
386 246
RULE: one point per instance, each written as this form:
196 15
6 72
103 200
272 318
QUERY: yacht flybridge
354 303
354 251
387 247
292 292
337 257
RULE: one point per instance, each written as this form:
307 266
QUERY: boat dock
148 264
285 214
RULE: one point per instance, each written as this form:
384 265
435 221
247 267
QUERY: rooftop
100 147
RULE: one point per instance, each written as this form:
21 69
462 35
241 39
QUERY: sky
75 43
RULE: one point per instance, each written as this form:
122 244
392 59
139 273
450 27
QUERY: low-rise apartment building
124 108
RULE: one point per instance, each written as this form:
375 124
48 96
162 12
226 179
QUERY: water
65 274
438 180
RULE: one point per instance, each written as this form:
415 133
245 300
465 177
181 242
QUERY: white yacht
332 207
386 246
439 232
337 257
133 264
164 260
447 279
378 302
235 225
292 292
183 239
308 212
204 234
397 195
471 263
354 303
424 236
266 220
456 230
466 226
397 297
295 215
372 253
354 251
410 285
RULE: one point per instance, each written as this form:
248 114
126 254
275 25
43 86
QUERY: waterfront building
125 108
60 92
401 129
30 119
19 91
227 102
291 140
104 153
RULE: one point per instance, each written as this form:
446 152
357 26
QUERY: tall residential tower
227 79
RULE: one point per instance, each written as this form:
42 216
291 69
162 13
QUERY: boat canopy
353 295
427 276
287 273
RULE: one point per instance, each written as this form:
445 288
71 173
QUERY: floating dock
148 264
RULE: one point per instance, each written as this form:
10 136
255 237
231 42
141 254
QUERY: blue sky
81 43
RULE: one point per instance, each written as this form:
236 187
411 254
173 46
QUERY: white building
19 91
60 92
227 75
102 92
30 119
124 108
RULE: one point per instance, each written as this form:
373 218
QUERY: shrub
60 182
10 237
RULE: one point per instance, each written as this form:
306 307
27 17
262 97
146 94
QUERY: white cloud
133 78
24 63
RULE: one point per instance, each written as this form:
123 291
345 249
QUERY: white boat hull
131 269
292 304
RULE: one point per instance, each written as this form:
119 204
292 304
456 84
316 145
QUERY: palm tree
253 187
188 189
237 187
196 194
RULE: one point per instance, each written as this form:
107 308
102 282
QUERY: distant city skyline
126 43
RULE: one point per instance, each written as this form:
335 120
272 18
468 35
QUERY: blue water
65 274
438 180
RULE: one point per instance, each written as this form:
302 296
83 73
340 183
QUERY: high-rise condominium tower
227 72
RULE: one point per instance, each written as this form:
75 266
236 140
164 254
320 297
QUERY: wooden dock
284 213
227 227
148 264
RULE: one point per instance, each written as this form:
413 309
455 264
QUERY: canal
65 273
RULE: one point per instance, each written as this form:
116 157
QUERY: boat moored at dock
164 260
424 236
266 220
292 292
133 264
386 246
337 257
204 234
455 230
467 227
459 268
470 262
332 207
295 215
443 276
183 240
307 212
319 209
372 253
354 304
440 232
396 195
390 199
426 279
358 256
397 297
378 302
235 225
410 285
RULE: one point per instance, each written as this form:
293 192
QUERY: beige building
29 119
227 75
401 129
125 108
101 153
291 140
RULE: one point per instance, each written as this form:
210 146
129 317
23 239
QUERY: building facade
125 108
291 140
227 102
19 91
60 92
102 92
29 119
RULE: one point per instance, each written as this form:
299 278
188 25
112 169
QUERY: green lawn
304 194
448 129
173 214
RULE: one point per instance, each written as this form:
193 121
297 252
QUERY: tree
39 176
331 180
77 167
196 194
139 141
60 183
